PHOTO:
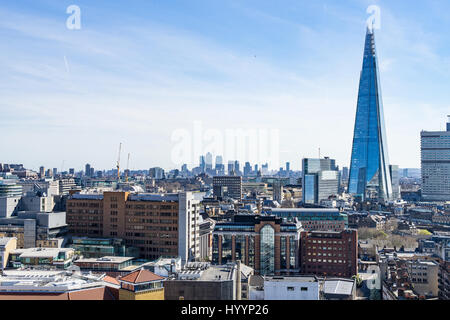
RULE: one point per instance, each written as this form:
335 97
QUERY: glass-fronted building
320 180
267 244
369 168
314 219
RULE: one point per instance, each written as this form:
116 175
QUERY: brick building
159 225
329 253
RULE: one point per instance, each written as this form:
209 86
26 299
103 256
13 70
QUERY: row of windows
326 241
328 261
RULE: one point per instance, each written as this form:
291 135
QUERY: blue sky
139 70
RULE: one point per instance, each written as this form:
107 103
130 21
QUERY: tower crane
128 169
118 163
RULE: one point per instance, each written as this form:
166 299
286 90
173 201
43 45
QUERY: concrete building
291 288
315 219
267 244
329 253
157 224
202 281
49 187
228 186
30 227
34 203
9 206
424 277
435 157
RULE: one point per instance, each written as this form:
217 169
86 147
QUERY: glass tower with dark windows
369 176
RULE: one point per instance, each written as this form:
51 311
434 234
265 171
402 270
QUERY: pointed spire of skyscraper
369 167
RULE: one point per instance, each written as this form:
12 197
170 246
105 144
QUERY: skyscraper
87 171
435 154
320 179
209 161
202 164
369 168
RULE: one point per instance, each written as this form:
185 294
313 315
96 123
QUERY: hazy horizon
137 73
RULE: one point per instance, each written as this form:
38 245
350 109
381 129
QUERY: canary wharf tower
369 176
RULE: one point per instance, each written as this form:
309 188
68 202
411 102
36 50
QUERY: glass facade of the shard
369 168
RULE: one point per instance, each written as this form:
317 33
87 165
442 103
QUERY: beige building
157 224
6 246
424 277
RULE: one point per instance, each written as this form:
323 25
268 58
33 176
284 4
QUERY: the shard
369 168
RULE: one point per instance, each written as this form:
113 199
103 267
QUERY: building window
267 253
290 288
283 255
226 249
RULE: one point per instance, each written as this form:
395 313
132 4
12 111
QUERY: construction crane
128 169
118 163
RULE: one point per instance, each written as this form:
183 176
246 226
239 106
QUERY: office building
395 177
267 244
220 167
157 224
203 281
209 161
329 253
369 168
42 172
435 157
247 169
313 219
320 180
228 186
156 173
277 191
87 170
202 164
230 168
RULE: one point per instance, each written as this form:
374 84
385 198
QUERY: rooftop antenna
319 153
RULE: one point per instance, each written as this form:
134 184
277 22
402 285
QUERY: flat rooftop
105 260
291 279
40 252
153 197
338 286
217 273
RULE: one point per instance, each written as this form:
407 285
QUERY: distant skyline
135 73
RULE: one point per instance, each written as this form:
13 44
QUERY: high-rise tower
369 168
